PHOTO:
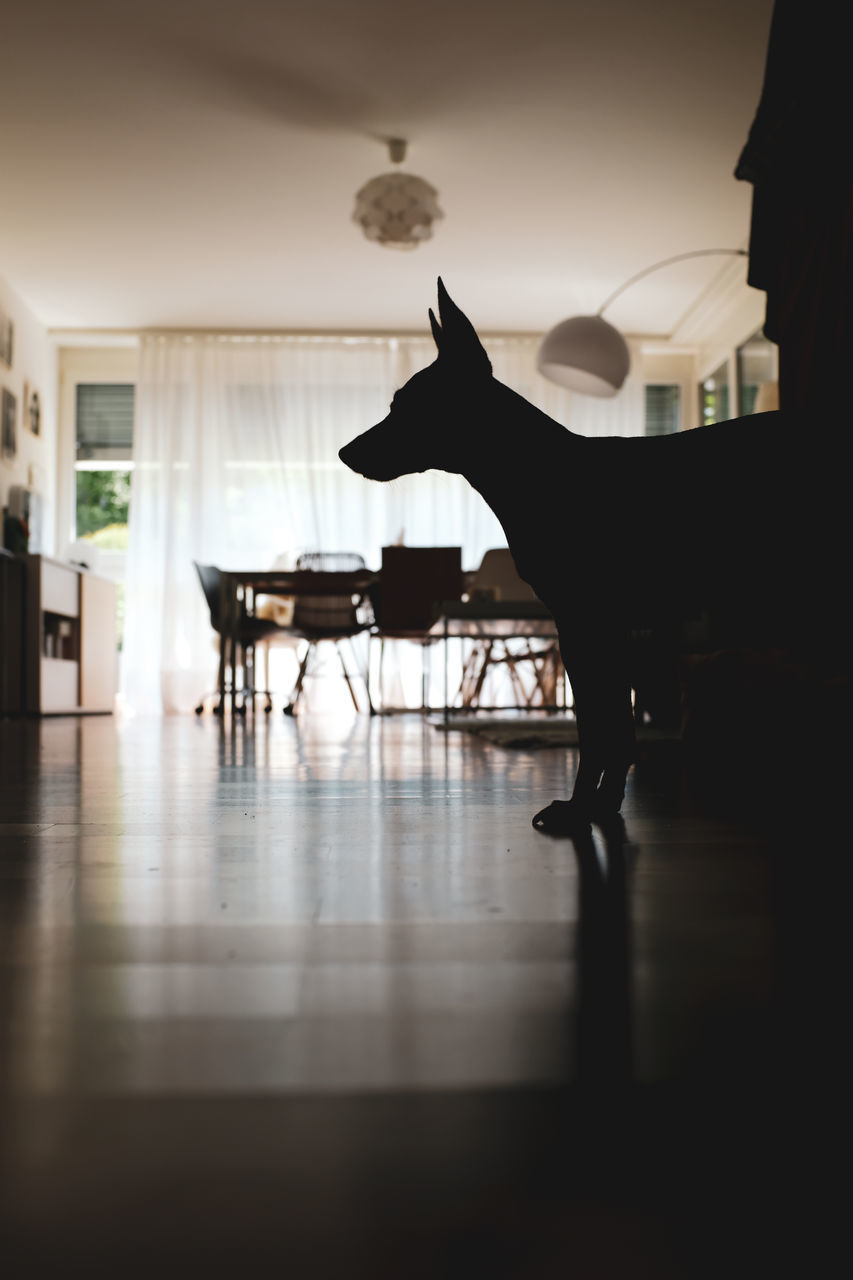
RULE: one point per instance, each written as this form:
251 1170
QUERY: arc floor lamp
587 353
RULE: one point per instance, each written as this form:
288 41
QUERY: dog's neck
512 450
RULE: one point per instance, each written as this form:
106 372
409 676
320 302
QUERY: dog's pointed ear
436 328
459 337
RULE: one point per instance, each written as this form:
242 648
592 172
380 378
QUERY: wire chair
334 618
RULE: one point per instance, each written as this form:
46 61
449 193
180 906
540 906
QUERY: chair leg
481 677
381 672
426 676
424 648
290 709
239 694
365 675
218 708
259 673
373 710
268 704
347 678
249 677
467 687
546 668
515 680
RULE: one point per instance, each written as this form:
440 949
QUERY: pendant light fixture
397 209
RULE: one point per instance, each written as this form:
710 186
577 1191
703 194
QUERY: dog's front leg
597 668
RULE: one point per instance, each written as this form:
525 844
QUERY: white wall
33 362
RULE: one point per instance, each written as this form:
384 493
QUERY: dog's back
741 520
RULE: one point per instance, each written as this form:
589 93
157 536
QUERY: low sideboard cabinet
70 654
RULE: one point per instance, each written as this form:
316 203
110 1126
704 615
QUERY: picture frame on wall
8 424
7 339
34 413
31 410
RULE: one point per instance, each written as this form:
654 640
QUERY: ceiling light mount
397 150
397 209
587 353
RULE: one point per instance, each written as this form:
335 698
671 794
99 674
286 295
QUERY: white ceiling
193 162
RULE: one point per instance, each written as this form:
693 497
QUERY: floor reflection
604 1011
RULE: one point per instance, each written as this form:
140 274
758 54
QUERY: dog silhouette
733 524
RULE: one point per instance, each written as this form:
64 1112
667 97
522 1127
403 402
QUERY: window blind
663 409
104 417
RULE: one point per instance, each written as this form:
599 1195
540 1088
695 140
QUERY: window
714 396
104 441
663 409
756 372
103 416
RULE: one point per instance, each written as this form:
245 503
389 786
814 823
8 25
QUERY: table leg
234 646
446 675
224 635
230 640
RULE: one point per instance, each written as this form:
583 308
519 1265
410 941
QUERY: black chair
249 631
413 583
320 618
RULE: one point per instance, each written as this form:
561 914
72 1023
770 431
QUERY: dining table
239 589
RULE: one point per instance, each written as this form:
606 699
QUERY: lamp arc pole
666 262
588 353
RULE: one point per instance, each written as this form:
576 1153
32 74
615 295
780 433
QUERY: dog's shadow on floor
603 1030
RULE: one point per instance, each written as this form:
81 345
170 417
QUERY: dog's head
425 427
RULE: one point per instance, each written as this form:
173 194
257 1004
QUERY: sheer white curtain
235 463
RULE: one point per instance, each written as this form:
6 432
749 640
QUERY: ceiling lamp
397 209
586 353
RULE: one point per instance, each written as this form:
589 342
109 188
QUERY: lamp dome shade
585 354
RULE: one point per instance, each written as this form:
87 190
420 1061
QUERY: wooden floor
313 994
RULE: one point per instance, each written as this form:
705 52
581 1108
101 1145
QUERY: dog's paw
562 818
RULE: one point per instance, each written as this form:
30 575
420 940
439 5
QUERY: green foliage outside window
103 498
